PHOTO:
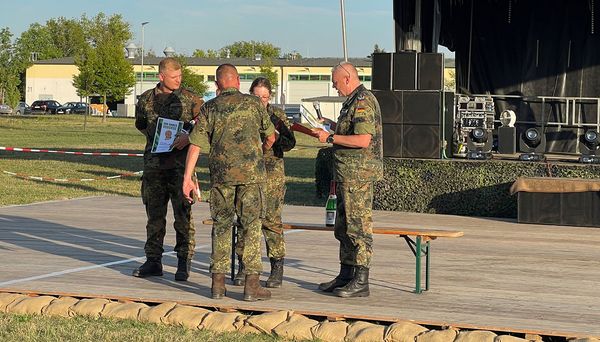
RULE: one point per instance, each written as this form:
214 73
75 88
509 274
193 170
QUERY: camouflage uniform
163 172
234 123
274 188
355 171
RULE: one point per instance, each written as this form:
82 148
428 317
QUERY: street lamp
142 74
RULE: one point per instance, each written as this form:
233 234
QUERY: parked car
5 109
72 108
44 106
22 108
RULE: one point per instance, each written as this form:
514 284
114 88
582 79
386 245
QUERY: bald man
235 124
358 163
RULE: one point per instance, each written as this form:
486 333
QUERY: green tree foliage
9 77
248 49
266 70
210 53
190 79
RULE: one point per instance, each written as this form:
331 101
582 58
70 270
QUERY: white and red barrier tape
19 149
66 180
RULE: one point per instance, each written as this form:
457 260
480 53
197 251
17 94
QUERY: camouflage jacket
286 139
182 105
360 114
235 124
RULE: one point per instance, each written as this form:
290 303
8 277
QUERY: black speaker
430 72
382 71
421 108
507 140
404 71
390 102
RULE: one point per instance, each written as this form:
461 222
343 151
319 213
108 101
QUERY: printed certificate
166 131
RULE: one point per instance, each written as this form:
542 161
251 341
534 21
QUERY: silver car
22 108
5 109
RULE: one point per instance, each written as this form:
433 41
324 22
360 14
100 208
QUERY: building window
211 78
364 78
309 77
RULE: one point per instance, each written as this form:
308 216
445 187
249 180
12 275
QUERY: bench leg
233 255
419 251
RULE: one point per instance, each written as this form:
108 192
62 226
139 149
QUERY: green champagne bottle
331 206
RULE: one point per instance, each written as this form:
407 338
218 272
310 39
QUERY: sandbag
297 327
509 338
330 331
7 299
267 321
91 307
186 316
156 314
30 305
61 307
365 331
475 336
403 332
222 321
447 335
122 310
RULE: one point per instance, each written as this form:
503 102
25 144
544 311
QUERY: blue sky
312 27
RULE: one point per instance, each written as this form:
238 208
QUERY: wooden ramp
499 276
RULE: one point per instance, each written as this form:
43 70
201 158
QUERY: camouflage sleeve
266 126
201 126
286 139
365 111
141 118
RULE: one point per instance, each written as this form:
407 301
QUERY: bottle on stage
331 206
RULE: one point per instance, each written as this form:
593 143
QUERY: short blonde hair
169 63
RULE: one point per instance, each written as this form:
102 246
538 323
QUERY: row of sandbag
286 324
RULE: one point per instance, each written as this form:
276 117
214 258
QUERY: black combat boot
276 273
346 274
184 266
253 291
218 289
152 267
358 286
240 276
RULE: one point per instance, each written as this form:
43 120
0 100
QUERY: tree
249 49
190 79
206 54
9 77
266 70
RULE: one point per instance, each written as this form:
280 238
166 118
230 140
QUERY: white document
312 121
166 132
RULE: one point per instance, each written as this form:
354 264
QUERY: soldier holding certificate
163 168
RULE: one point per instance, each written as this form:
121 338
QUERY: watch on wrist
329 139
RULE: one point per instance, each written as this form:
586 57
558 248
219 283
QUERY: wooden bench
420 246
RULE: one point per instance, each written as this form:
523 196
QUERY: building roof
196 61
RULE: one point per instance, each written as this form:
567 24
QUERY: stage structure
536 58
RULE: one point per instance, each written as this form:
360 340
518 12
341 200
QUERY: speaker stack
416 113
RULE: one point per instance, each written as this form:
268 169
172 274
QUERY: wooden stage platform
499 276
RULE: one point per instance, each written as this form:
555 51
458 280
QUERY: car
5 109
44 107
72 108
22 108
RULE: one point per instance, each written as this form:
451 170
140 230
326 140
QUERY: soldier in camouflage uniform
357 156
163 172
274 189
235 124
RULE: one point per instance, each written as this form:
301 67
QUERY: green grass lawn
22 328
66 132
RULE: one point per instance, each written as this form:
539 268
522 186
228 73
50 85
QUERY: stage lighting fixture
533 143
589 148
479 145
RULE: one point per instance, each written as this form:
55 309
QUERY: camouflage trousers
272 227
354 222
227 201
158 187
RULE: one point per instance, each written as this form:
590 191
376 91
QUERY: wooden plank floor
500 274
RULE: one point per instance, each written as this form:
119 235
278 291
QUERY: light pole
343 15
142 73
